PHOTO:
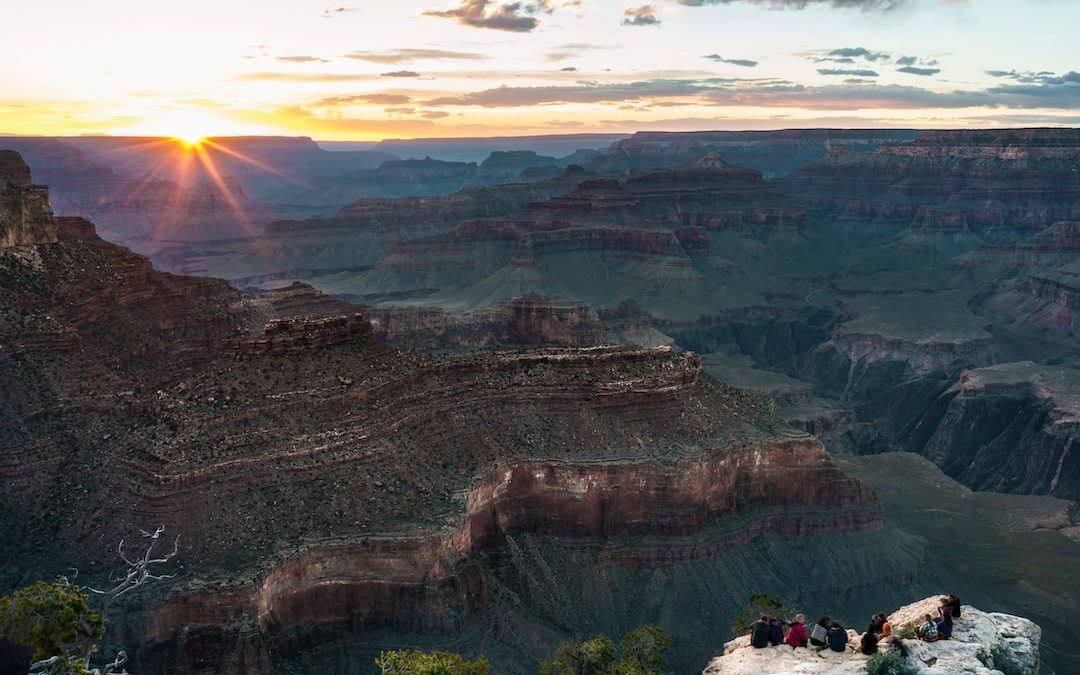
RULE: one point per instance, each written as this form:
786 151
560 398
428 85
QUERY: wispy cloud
301 59
338 10
275 76
802 4
371 99
406 55
725 91
400 73
916 70
848 72
745 63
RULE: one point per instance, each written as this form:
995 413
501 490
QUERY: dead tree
140 570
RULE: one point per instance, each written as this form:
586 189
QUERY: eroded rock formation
25 215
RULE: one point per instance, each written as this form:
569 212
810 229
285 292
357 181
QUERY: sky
372 69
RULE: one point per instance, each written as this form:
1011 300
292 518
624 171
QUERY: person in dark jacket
819 632
776 637
954 602
796 635
877 623
837 637
869 642
760 632
945 619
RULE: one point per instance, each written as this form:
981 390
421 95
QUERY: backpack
837 639
777 629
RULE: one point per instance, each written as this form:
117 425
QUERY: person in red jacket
796 636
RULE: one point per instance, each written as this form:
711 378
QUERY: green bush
641 652
889 663
411 662
54 619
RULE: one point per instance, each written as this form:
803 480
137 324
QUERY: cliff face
774 153
983 643
953 181
25 215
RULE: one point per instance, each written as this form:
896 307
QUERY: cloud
274 76
591 92
849 53
434 114
849 72
400 73
518 17
1044 77
338 10
568 69
404 55
301 59
727 92
915 70
1039 89
864 5
572 50
645 15
371 99
746 63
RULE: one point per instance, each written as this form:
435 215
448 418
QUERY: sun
187 126
190 139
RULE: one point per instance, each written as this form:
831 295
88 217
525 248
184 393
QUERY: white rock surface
969 652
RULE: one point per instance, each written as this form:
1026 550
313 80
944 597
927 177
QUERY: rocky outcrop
975 427
25 215
983 643
531 320
508 165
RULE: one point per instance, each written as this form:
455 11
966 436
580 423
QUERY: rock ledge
978 636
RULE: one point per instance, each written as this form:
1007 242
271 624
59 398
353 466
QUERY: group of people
830 633
940 628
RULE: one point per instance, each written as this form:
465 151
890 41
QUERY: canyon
304 457
708 343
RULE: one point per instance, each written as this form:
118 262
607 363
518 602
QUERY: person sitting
837 637
796 636
886 628
819 632
945 619
869 642
928 630
876 622
776 635
954 602
760 632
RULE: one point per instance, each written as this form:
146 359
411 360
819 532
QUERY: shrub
54 619
641 652
889 663
411 662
